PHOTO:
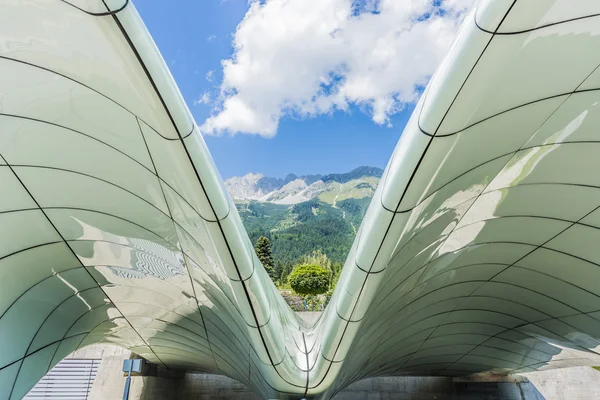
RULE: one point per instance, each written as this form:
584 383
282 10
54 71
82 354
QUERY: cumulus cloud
303 58
203 99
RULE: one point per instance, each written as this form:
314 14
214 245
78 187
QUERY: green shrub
309 279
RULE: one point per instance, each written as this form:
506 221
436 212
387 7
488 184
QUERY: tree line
315 274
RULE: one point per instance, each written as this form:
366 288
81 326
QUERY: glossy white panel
447 82
21 230
525 229
32 368
559 201
532 14
449 249
172 165
155 66
545 165
538 301
471 183
98 56
241 251
88 225
14 196
490 13
65 103
369 246
574 121
98 8
456 157
76 153
59 189
573 296
497 82
25 269
55 327
207 173
8 375
592 82
578 241
21 321
571 270
66 347
404 161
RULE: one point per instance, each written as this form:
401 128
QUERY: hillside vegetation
300 229
302 217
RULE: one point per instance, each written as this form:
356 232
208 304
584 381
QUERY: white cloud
203 99
211 38
310 57
209 75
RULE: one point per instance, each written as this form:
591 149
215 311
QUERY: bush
309 279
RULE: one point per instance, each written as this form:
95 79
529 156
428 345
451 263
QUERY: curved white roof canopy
478 253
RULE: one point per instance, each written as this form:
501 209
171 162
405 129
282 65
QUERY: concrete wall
214 387
110 382
578 383
426 388
561 384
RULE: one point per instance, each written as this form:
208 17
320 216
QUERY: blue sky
195 36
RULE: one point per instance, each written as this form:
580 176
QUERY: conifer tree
263 251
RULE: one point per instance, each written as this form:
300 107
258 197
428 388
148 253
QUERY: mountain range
358 183
301 214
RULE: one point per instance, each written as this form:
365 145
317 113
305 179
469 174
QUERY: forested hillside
319 213
297 230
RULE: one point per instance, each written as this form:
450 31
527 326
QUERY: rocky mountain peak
293 189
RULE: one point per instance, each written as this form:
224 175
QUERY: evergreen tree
263 251
286 268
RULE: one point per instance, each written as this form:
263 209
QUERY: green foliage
318 226
355 209
312 232
319 258
263 251
260 218
285 268
295 231
309 279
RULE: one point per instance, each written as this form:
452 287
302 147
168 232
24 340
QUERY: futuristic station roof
479 252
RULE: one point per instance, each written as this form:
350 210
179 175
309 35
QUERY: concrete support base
577 383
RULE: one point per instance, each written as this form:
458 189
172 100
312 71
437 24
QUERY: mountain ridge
301 214
293 189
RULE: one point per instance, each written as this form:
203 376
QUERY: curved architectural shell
479 252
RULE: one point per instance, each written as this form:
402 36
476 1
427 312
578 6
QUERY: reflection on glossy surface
478 253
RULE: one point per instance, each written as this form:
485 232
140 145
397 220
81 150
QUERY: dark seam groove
307 365
82 84
537 27
554 96
100 14
27 353
38 350
464 266
73 253
410 180
488 185
524 148
179 240
123 31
